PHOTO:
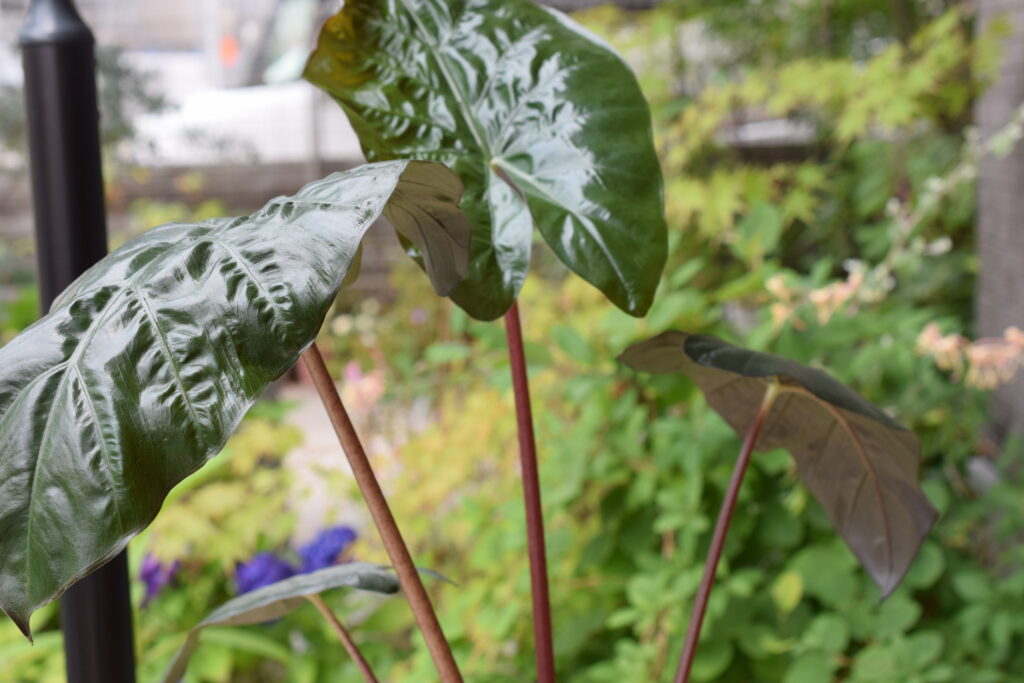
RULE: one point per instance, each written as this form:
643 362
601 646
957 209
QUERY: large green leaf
278 599
856 460
543 122
146 364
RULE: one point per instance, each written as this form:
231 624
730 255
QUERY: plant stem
408 576
718 538
543 643
346 639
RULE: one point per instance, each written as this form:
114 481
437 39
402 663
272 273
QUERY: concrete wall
1000 227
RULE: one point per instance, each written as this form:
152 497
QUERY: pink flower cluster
988 362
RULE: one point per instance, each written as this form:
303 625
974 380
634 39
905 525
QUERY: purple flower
156 576
267 568
262 570
323 551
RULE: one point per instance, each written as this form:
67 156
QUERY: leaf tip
22 622
888 582
638 304
887 585
437 575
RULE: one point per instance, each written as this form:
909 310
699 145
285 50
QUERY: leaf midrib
165 345
130 284
100 436
72 362
461 98
585 226
858 446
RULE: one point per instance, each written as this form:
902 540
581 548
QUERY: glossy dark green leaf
145 365
856 460
543 122
278 599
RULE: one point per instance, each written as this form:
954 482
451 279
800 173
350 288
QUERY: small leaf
828 633
757 641
927 568
972 586
446 352
810 667
145 364
712 659
278 599
879 663
543 122
925 647
758 233
856 460
828 573
787 591
896 616
573 343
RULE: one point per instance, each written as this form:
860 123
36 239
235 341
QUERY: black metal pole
71 235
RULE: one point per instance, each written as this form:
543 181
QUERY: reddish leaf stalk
543 642
408 576
718 538
346 639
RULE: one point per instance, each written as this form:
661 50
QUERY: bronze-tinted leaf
856 460
146 363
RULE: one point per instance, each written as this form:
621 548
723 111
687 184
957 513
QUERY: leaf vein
100 437
168 352
586 226
461 98
870 468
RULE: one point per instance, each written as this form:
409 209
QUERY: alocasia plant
145 365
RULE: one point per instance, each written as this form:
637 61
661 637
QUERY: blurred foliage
145 213
18 313
123 92
241 504
779 30
236 506
634 467
245 482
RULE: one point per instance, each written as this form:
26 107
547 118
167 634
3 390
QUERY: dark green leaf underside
712 352
544 123
278 599
145 365
859 463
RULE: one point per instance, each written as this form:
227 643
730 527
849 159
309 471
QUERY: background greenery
805 251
